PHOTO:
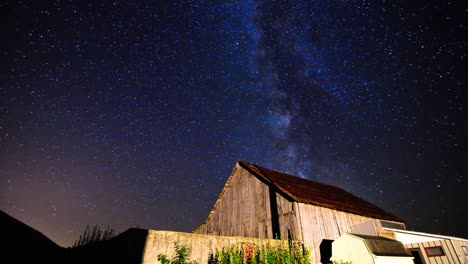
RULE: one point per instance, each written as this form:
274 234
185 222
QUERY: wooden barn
263 203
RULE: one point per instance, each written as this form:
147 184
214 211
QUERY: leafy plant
247 253
180 256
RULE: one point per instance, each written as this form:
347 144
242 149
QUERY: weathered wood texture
243 208
453 253
289 226
458 244
162 242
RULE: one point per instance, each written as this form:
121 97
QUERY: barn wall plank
457 245
287 218
449 252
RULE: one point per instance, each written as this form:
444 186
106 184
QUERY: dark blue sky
134 114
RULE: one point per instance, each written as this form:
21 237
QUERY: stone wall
162 242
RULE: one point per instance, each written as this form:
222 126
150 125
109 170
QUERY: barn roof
320 194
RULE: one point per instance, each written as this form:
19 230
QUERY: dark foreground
24 244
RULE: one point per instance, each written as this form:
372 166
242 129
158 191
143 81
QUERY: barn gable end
242 209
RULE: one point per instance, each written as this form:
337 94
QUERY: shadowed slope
24 244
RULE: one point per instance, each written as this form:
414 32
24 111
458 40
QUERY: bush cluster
247 253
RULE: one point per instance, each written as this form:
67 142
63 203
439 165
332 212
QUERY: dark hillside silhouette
23 244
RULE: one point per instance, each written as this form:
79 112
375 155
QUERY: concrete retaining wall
162 242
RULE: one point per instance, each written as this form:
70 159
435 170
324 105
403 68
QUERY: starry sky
133 113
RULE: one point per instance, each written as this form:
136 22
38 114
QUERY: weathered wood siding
458 244
453 252
287 217
243 209
318 223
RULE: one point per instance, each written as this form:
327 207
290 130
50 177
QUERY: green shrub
180 255
246 253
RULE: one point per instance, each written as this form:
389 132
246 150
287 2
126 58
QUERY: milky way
134 114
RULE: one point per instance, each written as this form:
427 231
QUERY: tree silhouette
92 235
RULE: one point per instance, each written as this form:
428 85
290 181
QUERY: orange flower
248 252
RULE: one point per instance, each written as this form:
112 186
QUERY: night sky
134 114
